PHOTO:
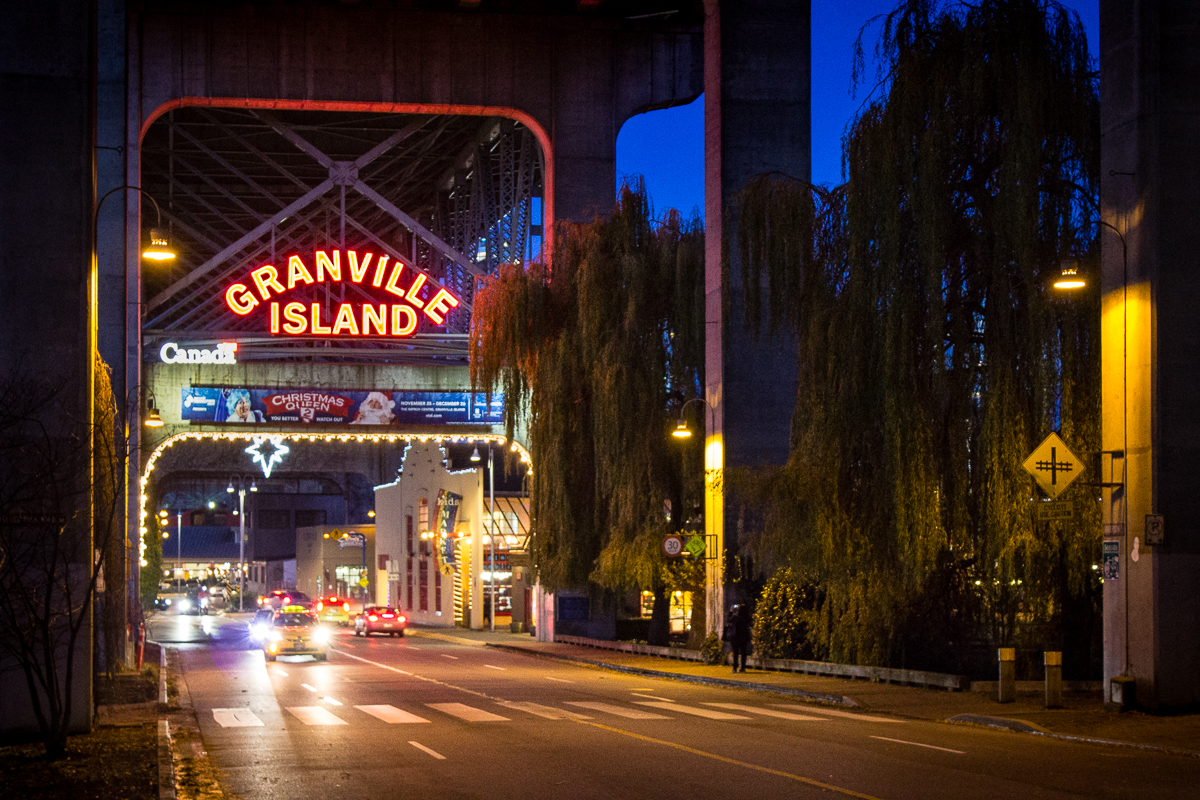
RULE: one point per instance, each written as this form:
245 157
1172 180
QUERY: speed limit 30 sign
672 545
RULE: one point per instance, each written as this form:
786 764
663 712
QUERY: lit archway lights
279 438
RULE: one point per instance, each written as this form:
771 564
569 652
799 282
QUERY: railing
907 677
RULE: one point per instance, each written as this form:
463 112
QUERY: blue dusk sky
667 147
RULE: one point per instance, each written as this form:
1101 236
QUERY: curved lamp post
714 584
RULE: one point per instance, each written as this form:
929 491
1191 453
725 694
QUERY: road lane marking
619 711
546 712
236 718
698 712
918 744
766 712
315 715
489 666
468 713
453 658
757 768
281 672
829 712
391 715
560 680
310 688
331 701
421 677
433 753
652 697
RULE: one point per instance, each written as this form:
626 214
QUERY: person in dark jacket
737 633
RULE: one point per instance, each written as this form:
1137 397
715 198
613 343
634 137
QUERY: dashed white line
281 672
652 697
454 658
560 680
310 688
331 701
490 666
425 749
918 744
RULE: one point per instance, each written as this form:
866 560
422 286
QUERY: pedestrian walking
737 633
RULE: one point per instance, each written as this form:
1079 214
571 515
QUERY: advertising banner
234 405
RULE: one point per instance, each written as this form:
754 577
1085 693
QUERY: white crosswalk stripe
698 712
468 713
391 714
766 712
546 712
619 711
829 712
316 715
236 718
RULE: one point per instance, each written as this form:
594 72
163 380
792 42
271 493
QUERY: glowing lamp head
681 431
153 420
160 246
1069 278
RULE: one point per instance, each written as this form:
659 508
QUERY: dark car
261 624
284 597
379 619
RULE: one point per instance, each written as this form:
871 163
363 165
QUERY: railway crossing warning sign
1053 465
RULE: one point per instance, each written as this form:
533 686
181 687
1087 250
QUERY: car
333 609
284 597
296 631
261 623
379 619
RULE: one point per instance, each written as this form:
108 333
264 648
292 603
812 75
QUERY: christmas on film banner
326 406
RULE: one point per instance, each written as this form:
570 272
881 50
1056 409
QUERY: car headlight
276 636
184 605
321 635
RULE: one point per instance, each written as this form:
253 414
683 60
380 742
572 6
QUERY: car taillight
287 600
388 616
372 617
345 606
401 619
320 605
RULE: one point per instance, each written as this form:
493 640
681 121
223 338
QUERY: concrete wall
47 78
1150 121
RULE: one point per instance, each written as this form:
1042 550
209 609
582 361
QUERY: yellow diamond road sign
1053 465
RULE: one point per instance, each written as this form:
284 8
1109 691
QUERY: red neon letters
266 283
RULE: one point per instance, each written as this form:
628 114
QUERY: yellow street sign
1053 465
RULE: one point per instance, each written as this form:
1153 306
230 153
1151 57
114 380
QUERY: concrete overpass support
757 119
1150 118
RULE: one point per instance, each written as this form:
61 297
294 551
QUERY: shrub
779 628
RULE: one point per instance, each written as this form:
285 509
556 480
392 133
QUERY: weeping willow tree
597 353
934 354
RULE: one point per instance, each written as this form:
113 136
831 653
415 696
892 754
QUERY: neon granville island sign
412 289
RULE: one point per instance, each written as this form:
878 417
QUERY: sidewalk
1083 716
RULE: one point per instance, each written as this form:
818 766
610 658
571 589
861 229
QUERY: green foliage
599 351
712 651
780 619
933 353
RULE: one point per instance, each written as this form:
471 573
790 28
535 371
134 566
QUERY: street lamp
241 490
362 539
163 515
714 584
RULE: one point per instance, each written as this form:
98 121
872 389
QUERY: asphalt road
419 717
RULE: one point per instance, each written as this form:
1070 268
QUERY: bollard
1053 660
1008 674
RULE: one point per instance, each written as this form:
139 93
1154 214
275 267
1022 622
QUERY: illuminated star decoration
268 457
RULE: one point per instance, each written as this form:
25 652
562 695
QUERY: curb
166 763
820 697
1017 726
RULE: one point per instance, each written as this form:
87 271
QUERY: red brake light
345 606
372 617
320 605
401 619
287 599
388 616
